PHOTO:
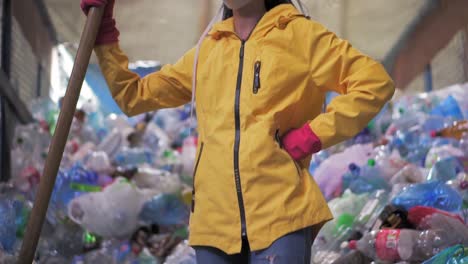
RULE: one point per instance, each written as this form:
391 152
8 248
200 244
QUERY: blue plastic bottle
448 108
165 210
434 194
445 170
7 226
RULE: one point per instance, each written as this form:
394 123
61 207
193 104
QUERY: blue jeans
293 248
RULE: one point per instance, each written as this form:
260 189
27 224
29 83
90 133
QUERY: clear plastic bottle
403 244
364 179
132 157
464 143
409 174
182 254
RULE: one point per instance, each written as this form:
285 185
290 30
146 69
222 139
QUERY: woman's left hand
301 142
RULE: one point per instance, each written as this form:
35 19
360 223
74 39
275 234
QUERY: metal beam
5 116
430 32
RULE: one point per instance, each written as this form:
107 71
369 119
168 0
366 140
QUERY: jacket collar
278 17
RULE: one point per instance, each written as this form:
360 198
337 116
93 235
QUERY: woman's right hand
87 4
108 32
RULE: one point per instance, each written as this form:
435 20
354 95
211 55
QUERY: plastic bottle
464 144
364 179
409 174
363 137
345 209
460 184
112 143
403 244
354 256
422 217
317 159
170 160
412 144
405 122
165 210
435 194
448 107
145 257
452 255
27 179
68 239
445 170
438 153
159 181
151 138
435 123
84 150
23 208
370 212
112 213
189 149
69 185
330 172
388 161
98 162
7 225
133 157
182 254
455 131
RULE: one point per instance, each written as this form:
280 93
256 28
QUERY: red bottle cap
352 244
464 185
433 134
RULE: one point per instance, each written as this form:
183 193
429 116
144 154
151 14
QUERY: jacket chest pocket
274 81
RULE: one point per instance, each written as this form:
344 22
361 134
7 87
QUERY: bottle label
386 244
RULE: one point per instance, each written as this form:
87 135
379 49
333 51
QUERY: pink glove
301 142
108 32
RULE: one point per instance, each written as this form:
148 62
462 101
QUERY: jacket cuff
108 32
311 141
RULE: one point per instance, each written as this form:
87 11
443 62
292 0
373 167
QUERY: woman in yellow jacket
261 75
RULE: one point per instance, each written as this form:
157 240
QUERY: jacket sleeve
363 84
169 87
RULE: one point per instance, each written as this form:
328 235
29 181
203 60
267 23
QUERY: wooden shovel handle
57 146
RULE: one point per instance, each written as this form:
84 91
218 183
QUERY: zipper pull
256 86
278 138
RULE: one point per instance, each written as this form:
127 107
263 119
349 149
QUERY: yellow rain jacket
250 93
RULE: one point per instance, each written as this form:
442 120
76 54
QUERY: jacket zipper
194 174
256 84
278 140
237 141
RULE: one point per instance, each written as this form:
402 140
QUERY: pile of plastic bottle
398 190
122 192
